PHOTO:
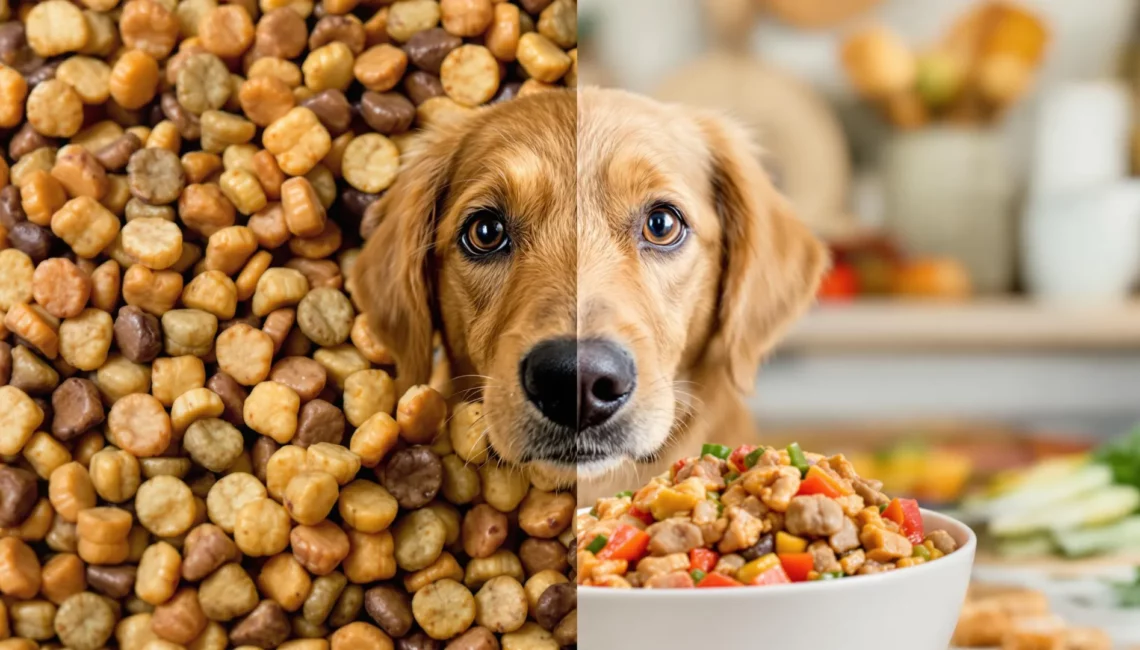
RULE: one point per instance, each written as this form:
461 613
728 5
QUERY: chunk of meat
754 507
674 536
743 530
871 567
823 558
706 515
842 467
883 545
870 491
734 495
851 504
655 566
729 564
774 485
850 562
814 516
710 470
674 580
846 539
942 541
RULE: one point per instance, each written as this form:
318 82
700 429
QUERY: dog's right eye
484 234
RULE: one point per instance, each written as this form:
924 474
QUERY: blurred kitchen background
972 164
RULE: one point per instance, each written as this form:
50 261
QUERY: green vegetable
832 575
1122 456
731 476
1128 593
594 511
698 575
797 458
597 544
1043 489
1104 505
1122 535
753 457
922 552
883 508
720 451
623 494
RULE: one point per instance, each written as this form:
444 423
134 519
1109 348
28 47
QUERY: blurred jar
948 191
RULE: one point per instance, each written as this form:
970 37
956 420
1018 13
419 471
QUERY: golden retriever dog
607 273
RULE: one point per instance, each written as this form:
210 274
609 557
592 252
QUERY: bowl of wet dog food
768 547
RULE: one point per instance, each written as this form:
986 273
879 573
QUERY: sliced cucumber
1124 534
1045 489
1101 506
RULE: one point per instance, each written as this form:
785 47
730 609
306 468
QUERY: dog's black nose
578 383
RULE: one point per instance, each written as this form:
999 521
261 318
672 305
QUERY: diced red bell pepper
906 514
702 559
818 481
717 580
644 516
736 459
840 283
626 543
797 565
774 576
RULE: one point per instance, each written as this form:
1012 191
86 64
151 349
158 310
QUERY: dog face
477 239
595 261
690 266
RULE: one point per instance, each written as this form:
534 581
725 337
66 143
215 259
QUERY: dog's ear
771 262
392 277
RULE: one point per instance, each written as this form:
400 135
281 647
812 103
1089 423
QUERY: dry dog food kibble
201 442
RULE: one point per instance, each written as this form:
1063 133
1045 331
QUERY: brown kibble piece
267 626
18 494
78 408
156 176
138 334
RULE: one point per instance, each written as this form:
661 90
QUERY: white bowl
908 609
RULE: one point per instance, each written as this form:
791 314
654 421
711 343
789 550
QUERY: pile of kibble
201 445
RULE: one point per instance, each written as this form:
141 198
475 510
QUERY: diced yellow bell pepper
670 501
786 543
757 567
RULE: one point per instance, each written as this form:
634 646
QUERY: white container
1083 246
908 609
1082 137
948 191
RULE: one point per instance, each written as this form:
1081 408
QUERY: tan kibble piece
155 292
90 78
365 341
120 376
204 209
328 67
366 506
226 31
334 460
56 27
212 443
212 292
149 26
277 288
370 557
44 453
227 593
70 491
54 109
104 525
20 574
470 75
34 327
444 609
63 577
188 332
304 214
373 439
461 482
229 495
381 67
200 165
420 414
284 580
85 339
203 83
221 130
411 16
246 281
466 18
245 353
310 496
271 409
261 528
14 90
340 362
134 79
85 621
154 243
298 140
159 571
165 506
370 162
61 287
468 433
16 278
321 246
542 59
502 39
229 248
503 487
115 474
319 548
172 376
441 110
419 537
179 620
41 194
366 393
77 171
32 374
195 404
286 71
243 190
444 567
85 225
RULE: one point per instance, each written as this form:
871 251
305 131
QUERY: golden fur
577 172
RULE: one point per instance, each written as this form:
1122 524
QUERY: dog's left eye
664 227
484 234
